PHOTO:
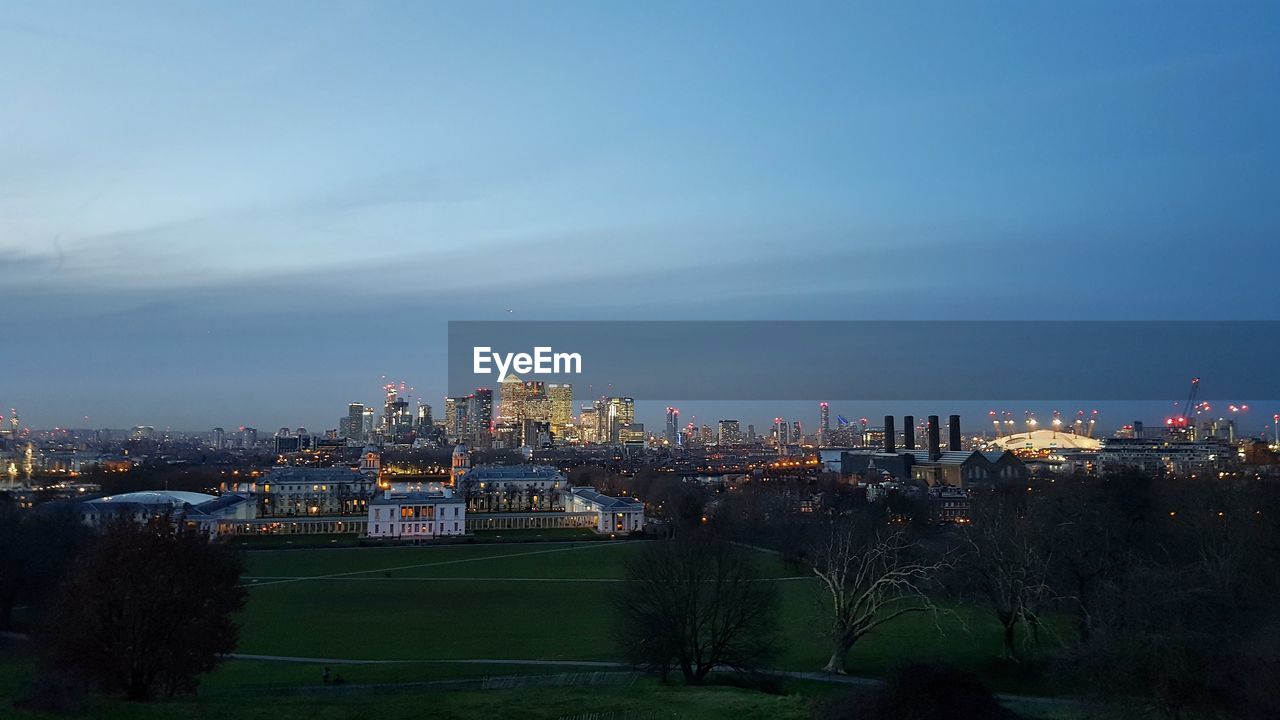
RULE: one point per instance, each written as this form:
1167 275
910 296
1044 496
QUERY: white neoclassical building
613 515
416 515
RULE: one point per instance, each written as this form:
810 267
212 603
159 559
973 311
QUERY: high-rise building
797 434
589 425
673 426
561 398
249 437
729 433
824 423
456 419
219 438
479 424
619 412
511 399
424 417
355 422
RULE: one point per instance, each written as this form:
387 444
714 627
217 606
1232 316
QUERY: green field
529 602
410 614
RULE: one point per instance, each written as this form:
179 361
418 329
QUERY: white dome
157 497
1048 440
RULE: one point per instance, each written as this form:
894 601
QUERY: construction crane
1184 420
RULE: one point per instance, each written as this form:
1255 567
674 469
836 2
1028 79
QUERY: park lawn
543 602
552 561
240 674
642 700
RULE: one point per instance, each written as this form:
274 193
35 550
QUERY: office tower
511 399
797 434
355 421
479 424
424 417
673 427
619 413
729 433
561 398
456 418
824 423
751 433
366 426
589 425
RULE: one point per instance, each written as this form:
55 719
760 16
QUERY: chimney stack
934 452
908 432
889 434
953 424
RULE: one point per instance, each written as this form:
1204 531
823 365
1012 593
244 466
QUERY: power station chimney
889 433
908 432
934 451
953 426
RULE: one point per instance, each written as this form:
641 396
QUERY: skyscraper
824 423
729 433
456 421
511 399
620 412
673 426
480 416
561 397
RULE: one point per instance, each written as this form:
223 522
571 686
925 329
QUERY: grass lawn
536 602
643 700
527 601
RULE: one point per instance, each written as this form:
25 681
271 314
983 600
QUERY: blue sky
248 213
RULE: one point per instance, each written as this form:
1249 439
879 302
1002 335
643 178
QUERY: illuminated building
729 432
355 422
417 515
479 425
824 423
589 425
456 420
613 515
673 426
561 397
511 399
219 439
618 413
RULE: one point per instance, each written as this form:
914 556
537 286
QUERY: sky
244 213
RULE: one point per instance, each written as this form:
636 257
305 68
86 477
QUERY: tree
1009 564
35 550
696 604
146 609
871 577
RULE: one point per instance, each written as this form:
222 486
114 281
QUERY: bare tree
696 604
1009 564
871 576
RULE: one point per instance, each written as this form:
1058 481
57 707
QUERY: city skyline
209 215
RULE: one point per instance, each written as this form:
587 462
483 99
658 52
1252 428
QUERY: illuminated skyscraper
511 399
480 416
589 425
673 426
456 418
729 432
620 412
355 422
824 423
561 397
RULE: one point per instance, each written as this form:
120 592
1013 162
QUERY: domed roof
461 449
1048 440
370 449
158 497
